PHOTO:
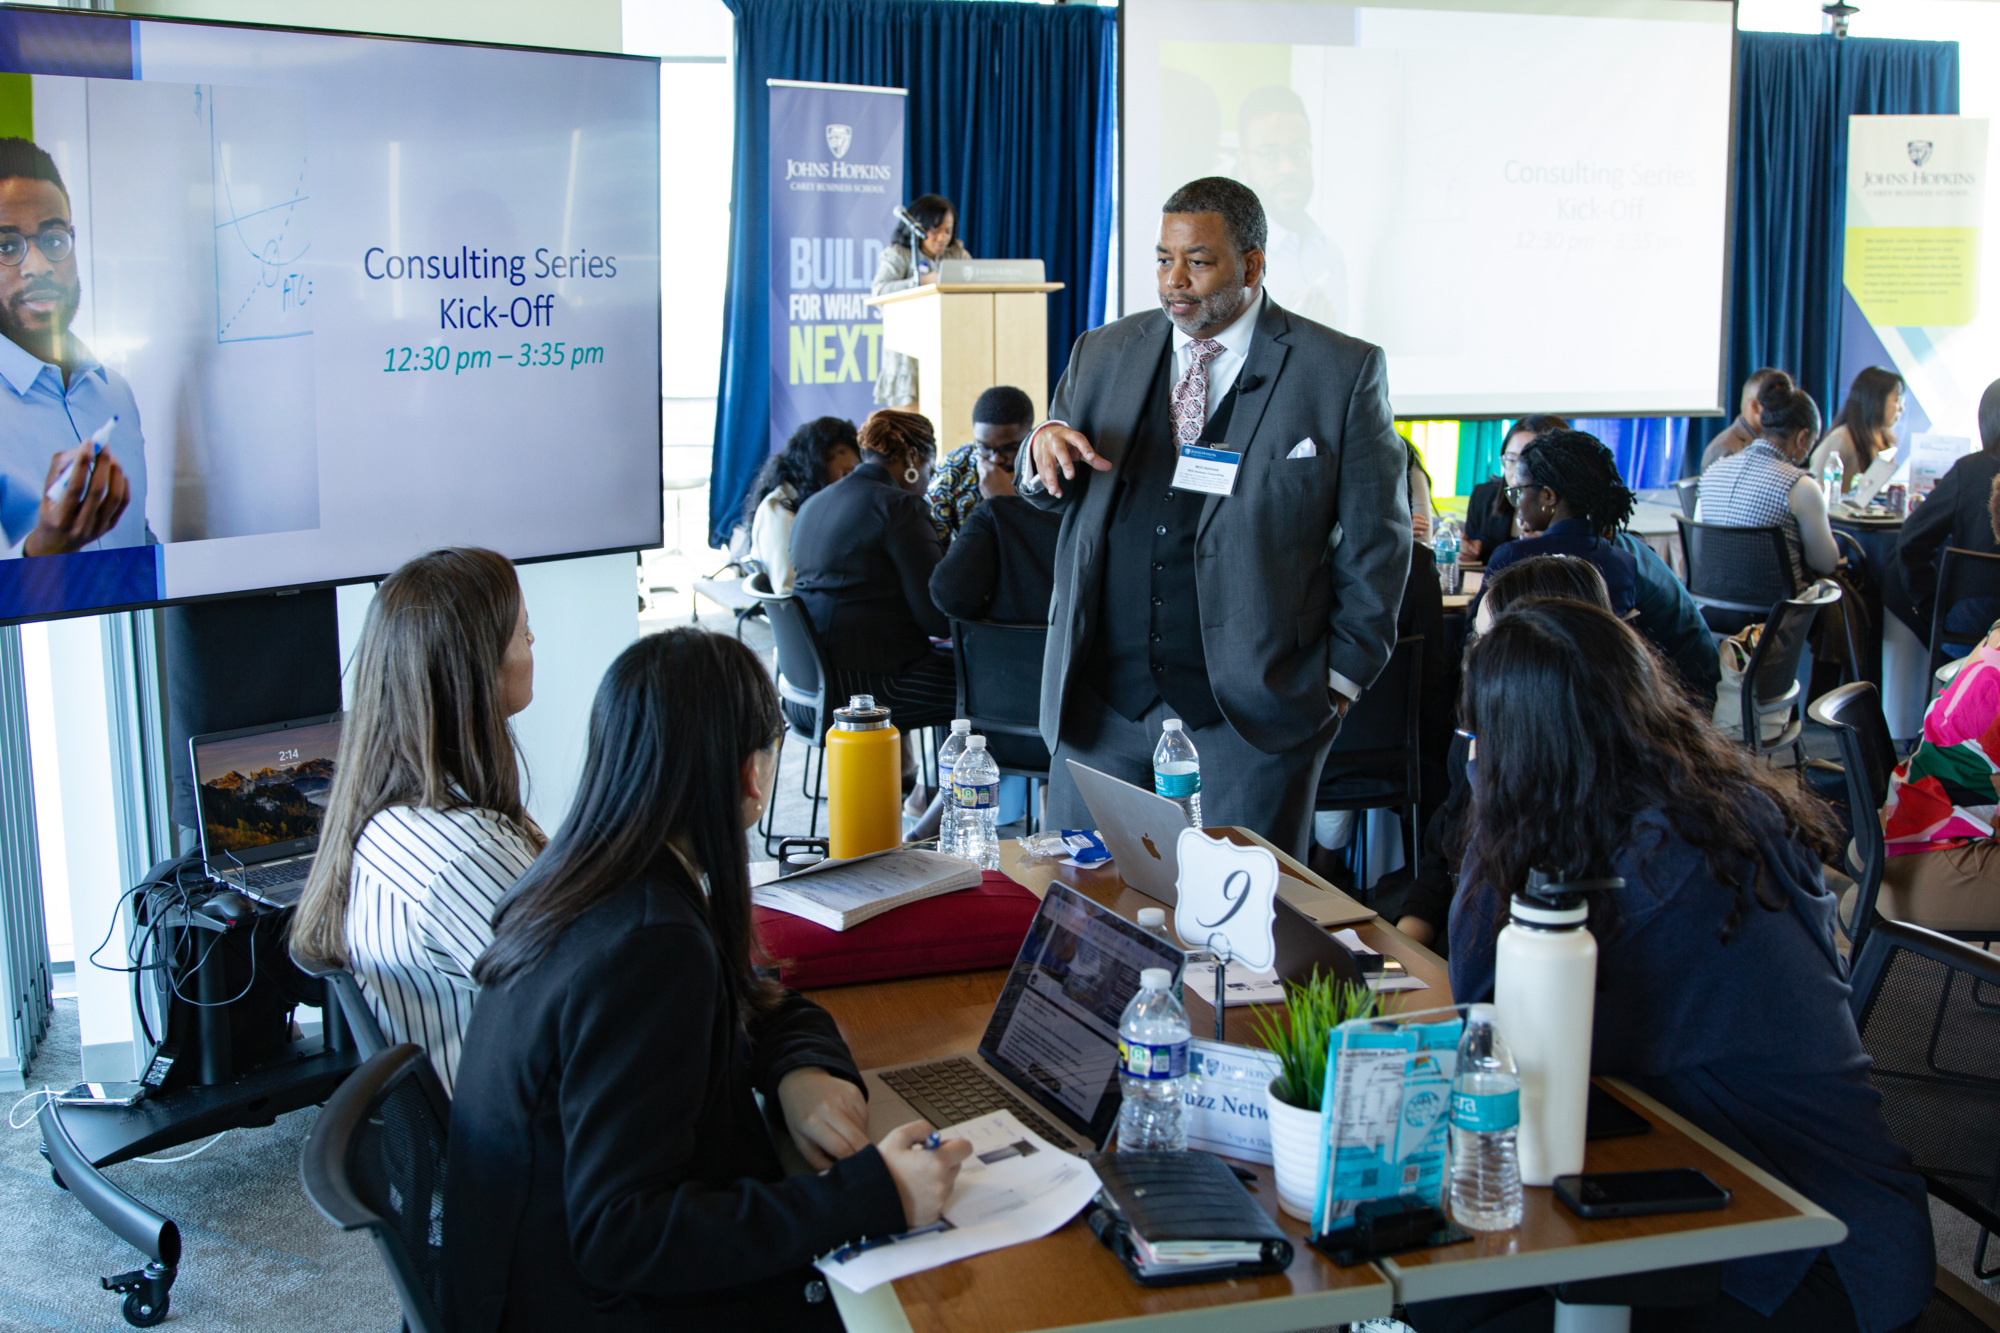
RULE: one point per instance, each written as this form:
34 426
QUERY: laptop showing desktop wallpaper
262 791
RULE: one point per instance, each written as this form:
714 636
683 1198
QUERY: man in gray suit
1236 530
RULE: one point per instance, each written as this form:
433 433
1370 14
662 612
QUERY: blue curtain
1011 116
1794 95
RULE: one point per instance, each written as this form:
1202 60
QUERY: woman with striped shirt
425 830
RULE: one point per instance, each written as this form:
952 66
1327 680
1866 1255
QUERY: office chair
803 680
375 1161
1375 763
1000 693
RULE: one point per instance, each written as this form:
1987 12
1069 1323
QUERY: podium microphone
903 216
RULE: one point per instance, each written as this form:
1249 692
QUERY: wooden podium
966 338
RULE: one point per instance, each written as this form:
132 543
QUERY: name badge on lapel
1205 469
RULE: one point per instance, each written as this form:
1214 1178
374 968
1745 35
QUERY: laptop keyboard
272 875
950 1092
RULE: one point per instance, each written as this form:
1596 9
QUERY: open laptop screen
1055 1030
261 792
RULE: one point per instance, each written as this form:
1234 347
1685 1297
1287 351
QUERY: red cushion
953 932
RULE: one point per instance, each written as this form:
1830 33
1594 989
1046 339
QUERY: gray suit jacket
1298 571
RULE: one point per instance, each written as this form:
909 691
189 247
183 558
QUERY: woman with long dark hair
424 827
1720 990
1865 427
609 1164
904 266
819 453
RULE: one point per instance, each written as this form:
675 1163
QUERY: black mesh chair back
1771 680
802 672
1000 692
1374 763
1928 1008
345 1006
1963 576
1868 754
1734 574
375 1161
1688 489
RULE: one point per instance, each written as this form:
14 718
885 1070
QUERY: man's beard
16 329
1212 311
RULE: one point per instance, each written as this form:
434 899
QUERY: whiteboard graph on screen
257 151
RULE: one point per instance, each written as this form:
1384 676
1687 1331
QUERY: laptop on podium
260 794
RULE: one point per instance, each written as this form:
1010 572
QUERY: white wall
584 612
82 740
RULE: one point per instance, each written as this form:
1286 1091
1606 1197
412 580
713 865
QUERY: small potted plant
1300 1040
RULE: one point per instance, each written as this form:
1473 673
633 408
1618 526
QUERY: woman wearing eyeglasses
1571 495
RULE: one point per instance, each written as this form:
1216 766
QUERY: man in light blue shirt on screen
55 396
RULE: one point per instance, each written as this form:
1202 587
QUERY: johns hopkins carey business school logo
839 140
1920 149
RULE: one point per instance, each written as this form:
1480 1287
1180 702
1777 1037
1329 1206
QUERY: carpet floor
256 1256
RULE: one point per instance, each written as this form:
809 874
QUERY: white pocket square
1304 449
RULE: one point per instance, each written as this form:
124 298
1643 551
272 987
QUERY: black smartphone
1636 1193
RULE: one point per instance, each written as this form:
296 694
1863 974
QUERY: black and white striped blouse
420 912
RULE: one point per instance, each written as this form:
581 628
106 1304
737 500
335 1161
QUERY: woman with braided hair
863 550
1573 498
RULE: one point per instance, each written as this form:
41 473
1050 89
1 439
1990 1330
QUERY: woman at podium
900 271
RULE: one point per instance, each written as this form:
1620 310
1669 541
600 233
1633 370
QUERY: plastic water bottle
949 835
1177 769
1153 1067
975 790
1485 1123
1444 549
1831 477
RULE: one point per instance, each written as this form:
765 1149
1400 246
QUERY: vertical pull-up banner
1916 189
836 179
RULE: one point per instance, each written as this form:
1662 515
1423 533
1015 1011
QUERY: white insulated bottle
1545 989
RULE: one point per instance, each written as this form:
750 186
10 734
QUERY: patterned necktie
1191 392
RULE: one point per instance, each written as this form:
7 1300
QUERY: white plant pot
1295 1151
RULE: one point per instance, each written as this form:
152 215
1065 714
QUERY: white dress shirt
1227 364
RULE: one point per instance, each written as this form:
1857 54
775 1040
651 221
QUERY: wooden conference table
1068 1280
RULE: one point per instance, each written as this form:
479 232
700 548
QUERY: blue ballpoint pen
854 1248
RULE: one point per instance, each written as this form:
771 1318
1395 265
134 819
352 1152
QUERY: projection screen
1525 202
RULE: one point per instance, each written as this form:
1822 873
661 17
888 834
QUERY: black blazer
1955 514
862 554
1002 565
609 1169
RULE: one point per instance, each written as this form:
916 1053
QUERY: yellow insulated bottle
864 780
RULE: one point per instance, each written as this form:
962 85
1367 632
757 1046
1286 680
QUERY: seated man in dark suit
1955 514
1002 565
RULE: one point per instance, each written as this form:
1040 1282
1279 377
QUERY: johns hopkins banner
836 179
1916 193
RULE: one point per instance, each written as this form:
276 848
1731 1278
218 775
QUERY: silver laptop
1141 830
1050 1051
259 794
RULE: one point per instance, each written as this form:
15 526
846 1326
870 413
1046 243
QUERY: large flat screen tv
326 301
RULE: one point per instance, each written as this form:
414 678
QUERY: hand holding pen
924 1167
84 496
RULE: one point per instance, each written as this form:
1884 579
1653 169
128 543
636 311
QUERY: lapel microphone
1249 382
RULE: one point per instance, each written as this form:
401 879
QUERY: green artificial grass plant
1300 1041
